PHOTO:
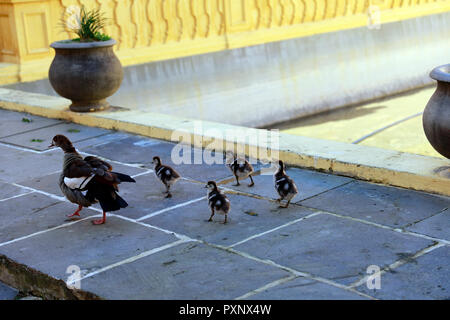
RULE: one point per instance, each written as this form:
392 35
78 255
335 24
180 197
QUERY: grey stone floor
158 248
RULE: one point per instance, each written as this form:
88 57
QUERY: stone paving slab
32 213
8 190
437 226
12 122
100 140
19 165
136 149
187 271
381 204
7 293
247 217
87 246
332 247
146 195
306 289
309 183
40 139
427 277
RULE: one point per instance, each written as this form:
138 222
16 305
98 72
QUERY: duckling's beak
51 145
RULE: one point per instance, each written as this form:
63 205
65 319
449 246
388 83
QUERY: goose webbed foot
100 221
76 213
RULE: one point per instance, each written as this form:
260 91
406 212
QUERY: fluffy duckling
284 185
166 174
241 168
217 201
92 176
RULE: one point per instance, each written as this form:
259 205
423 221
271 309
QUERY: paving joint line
12 146
267 286
290 270
46 230
147 225
418 221
129 260
398 263
23 148
16 196
393 124
331 189
31 130
142 173
274 229
180 205
398 230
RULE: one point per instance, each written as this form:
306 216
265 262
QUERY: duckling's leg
253 183
100 221
76 213
237 181
169 195
287 204
225 221
212 214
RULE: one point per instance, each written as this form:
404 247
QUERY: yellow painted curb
361 162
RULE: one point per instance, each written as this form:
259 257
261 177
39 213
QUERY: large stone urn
86 73
436 117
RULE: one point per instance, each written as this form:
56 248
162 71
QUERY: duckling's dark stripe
159 171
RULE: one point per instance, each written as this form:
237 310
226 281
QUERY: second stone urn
436 117
86 73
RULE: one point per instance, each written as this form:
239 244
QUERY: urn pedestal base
89 106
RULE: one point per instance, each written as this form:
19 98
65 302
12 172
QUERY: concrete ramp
274 82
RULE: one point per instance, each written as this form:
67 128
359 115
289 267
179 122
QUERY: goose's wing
78 169
103 173
97 163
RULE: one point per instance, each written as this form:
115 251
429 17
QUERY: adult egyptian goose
284 185
167 175
217 201
241 168
89 180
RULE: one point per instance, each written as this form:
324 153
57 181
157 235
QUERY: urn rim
441 73
67 44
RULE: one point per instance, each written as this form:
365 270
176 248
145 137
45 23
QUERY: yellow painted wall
152 30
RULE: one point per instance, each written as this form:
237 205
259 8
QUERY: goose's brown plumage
89 180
